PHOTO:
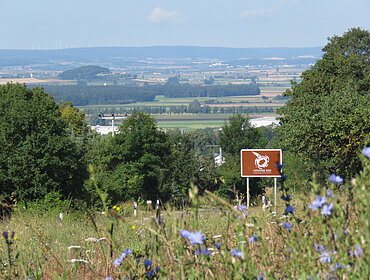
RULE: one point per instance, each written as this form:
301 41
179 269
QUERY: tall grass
321 236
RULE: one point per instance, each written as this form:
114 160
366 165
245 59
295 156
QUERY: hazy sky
50 24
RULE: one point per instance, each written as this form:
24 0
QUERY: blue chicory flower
150 273
366 152
185 233
288 197
196 238
336 179
318 202
319 247
157 269
358 252
240 207
287 225
289 209
147 263
117 262
107 278
329 193
253 238
325 257
202 251
326 209
217 245
236 253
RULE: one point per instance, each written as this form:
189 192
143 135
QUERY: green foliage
89 72
327 121
238 134
37 156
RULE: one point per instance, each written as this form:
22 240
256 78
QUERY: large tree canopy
37 155
327 121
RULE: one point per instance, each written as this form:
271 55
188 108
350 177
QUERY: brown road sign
260 162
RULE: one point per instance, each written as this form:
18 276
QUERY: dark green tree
140 157
327 121
37 155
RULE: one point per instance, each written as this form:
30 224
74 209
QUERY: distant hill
88 72
114 54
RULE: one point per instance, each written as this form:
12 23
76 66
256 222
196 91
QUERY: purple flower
128 252
336 179
288 197
196 238
236 253
318 202
5 234
108 278
253 238
240 207
117 262
289 209
217 245
150 273
185 233
202 251
287 225
260 277
337 266
157 269
366 152
325 257
326 209
147 263
329 193
356 253
319 247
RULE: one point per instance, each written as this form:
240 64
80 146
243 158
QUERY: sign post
261 163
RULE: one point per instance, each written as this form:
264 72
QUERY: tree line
81 95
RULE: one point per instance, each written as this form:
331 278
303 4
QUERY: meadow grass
320 234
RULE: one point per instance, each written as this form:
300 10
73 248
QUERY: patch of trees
81 95
89 72
91 95
327 121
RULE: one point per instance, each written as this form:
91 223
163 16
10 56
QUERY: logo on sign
261 161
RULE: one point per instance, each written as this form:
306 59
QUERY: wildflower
325 257
319 247
118 208
196 238
202 251
240 207
326 209
318 202
287 225
133 227
279 166
150 273
366 152
289 209
356 253
117 262
217 245
5 234
288 197
108 278
147 263
157 269
184 233
253 238
335 179
261 277
337 266
329 193
236 253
